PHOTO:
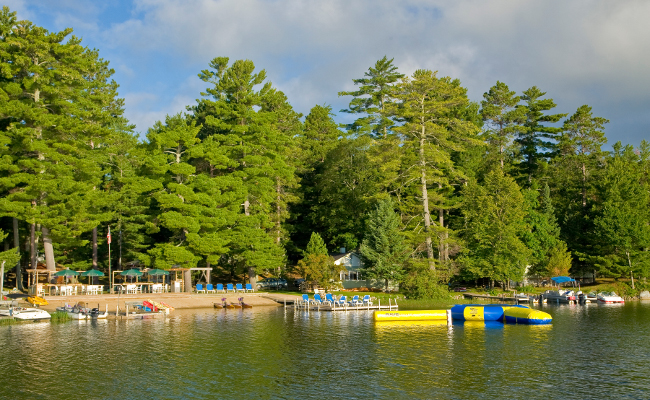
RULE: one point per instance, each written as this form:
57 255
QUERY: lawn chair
249 287
229 288
220 288
239 287
209 288
355 302
342 301
366 300
199 288
328 299
305 299
317 300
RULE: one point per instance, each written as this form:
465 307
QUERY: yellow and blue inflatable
497 312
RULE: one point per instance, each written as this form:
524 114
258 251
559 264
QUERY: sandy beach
176 300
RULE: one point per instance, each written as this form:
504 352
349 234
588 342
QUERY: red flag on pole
108 236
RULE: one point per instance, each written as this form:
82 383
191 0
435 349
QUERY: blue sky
579 52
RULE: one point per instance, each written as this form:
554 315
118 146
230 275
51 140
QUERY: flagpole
110 272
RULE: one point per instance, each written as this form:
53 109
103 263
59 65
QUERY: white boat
77 312
25 314
560 296
609 298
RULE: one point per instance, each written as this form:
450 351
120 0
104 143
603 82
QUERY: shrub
424 284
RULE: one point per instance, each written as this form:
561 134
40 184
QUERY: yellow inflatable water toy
412 315
37 301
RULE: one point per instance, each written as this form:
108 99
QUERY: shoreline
177 300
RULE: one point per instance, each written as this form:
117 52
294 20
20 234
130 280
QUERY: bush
424 284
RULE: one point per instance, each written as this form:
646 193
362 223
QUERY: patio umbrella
131 273
92 272
157 273
15 296
67 272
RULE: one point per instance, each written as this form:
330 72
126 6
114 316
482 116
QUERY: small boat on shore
609 298
26 314
244 305
560 296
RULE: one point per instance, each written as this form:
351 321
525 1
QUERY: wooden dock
513 299
311 306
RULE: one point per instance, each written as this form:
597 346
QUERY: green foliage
535 138
319 269
503 119
383 249
60 316
621 225
375 94
429 109
423 283
316 245
494 222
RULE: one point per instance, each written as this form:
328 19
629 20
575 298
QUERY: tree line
428 185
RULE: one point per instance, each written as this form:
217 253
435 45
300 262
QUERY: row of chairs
209 288
342 301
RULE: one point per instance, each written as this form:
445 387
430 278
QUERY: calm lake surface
589 352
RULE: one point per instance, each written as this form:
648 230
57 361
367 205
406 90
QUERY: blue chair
355 301
328 299
239 287
317 299
366 300
209 288
249 287
342 301
229 288
199 288
220 288
305 299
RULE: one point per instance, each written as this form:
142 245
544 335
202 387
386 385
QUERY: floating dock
300 305
412 315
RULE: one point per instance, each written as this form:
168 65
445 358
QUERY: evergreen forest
426 185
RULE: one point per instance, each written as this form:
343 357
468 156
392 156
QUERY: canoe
37 301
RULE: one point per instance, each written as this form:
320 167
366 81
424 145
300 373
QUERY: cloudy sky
579 52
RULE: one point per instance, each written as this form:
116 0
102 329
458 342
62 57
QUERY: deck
300 305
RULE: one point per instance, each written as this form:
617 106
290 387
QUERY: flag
108 235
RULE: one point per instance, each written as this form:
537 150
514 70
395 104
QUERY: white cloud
579 52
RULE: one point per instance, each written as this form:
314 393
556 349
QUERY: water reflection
591 351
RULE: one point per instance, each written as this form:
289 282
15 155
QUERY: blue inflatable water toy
498 312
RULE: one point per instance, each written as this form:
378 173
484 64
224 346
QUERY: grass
60 316
8 321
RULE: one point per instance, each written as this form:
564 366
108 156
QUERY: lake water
589 352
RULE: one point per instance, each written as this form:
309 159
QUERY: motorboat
609 298
587 298
560 296
26 314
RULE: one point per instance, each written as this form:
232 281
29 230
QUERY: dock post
379 304
448 317
127 312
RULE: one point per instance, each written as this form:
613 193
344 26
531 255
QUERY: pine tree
244 124
621 226
431 130
383 250
317 266
542 235
535 138
375 94
58 105
494 222
502 117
